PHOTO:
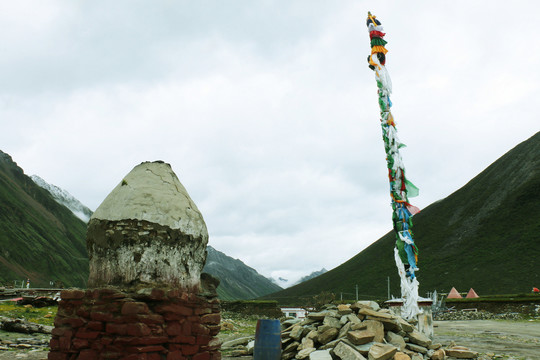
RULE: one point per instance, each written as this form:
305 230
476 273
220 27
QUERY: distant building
472 294
299 313
454 294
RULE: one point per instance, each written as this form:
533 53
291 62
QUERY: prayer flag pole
405 251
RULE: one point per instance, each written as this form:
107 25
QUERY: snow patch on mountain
63 197
282 282
311 276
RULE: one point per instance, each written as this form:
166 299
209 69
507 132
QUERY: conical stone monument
147 298
147 231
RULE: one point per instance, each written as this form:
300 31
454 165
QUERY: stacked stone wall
149 324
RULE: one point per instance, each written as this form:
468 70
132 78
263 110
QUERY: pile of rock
242 346
360 330
23 326
26 343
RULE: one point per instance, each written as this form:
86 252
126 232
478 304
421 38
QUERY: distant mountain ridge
237 280
311 276
486 235
65 198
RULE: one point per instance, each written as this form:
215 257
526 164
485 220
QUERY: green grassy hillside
39 238
486 236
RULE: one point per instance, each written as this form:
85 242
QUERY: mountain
486 235
237 280
311 276
39 238
63 197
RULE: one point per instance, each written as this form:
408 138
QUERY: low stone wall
267 308
149 324
498 307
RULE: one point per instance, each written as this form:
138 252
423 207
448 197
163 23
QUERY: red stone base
150 324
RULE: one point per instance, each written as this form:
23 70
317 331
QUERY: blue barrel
267 340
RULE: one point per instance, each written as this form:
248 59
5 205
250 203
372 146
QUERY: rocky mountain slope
485 235
237 280
40 239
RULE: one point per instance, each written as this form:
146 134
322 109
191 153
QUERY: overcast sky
266 110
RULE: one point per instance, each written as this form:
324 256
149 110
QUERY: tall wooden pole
405 251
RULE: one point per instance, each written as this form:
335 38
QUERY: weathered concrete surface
147 231
152 192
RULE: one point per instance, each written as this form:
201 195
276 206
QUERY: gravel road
513 339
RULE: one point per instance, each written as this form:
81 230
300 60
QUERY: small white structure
299 313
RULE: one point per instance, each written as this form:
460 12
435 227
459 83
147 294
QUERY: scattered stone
317 315
290 348
461 353
313 335
332 344
320 355
359 337
344 330
353 319
347 352
405 325
344 309
362 304
23 326
380 351
418 338
302 354
328 335
331 321
401 356
438 355
296 332
417 348
239 352
250 347
377 328
306 344
227 326
290 322
396 340
364 349
288 356
236 342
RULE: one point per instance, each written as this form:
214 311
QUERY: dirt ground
506 339
511 339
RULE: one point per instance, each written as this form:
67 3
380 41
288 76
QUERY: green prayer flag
378 42
412 190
